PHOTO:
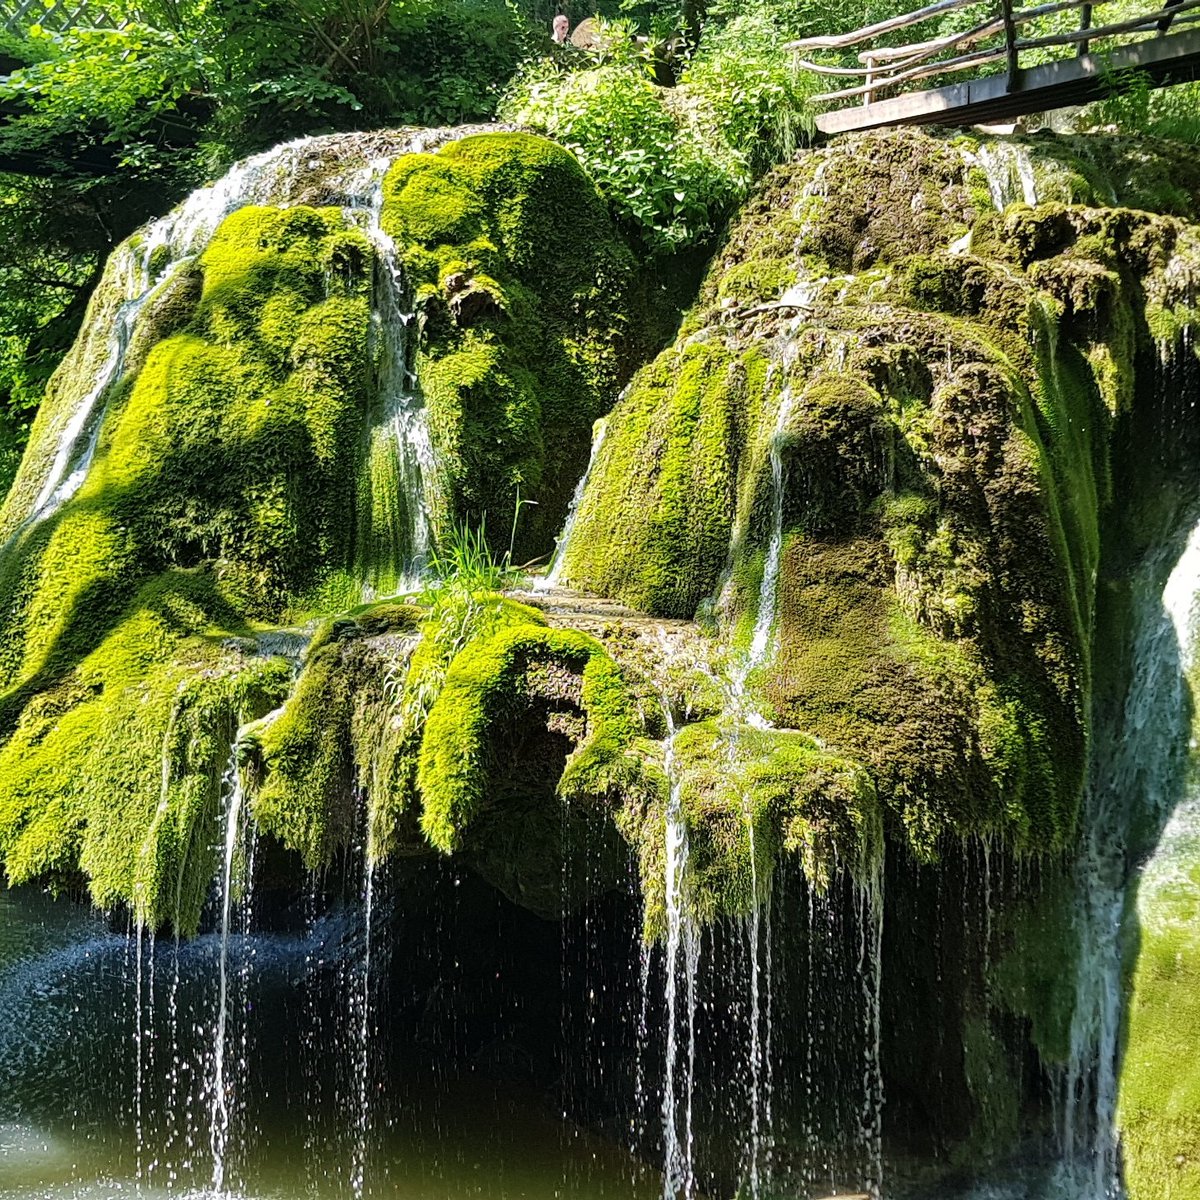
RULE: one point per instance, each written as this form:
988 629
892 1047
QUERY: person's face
561 25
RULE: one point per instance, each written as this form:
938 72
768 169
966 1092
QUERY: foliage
101 129
672 162
1135 106
462 559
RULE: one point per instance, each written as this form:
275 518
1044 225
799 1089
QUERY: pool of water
106 1079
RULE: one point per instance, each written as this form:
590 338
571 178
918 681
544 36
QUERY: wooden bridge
1020 60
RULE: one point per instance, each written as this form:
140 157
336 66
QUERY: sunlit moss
522 292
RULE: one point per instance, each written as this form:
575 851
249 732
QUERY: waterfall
678 1173
224 1085
765 621
870 924
362 1066
401 466
553 575
77 442
1009 171
1132 774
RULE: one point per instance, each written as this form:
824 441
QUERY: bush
672 162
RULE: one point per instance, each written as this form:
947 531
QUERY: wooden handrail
978 58
895 58
842 41
1101 31
888 67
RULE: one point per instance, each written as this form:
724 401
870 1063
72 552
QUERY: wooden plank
1174 58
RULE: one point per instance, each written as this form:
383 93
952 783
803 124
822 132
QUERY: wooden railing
995 38
55 15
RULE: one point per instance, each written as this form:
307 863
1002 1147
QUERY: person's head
562 27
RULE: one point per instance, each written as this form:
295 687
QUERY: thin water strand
553 576
677 1163
400 459
220 1088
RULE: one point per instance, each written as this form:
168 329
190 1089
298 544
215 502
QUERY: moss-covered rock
230 482
521 288
925 432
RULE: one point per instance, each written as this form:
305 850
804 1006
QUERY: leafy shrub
672 162
1135 106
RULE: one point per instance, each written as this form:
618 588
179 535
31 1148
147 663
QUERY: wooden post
1010 43
869 95
1084 24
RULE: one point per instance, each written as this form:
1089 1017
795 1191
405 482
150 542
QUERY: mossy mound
912 393
521 288
1159 1103
468 726
116 768
220 494
224 492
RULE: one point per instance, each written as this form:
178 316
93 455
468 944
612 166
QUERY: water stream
765 622
553 575
397 524
225 1083
682 942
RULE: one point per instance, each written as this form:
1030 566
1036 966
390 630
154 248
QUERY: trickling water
221 1086
870 923
363 1045
678 1174
78 440
1010 174
758 1065
554 574
398 533
769 588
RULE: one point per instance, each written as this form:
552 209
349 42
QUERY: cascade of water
77 442
757 1064
1132 772
678 1175
870 922
139 1069
554 574
1009 172
400 459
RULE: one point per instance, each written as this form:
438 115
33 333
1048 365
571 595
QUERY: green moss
1160 1081
1159 1099
482 691
667 477
521 286
941 423
232 442
117 769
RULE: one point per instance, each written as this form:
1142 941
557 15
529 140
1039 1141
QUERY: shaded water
72 995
